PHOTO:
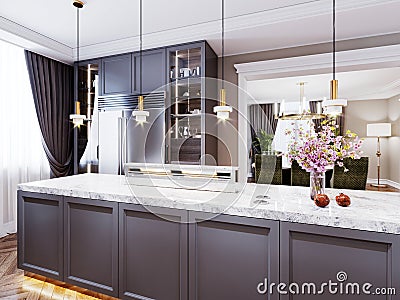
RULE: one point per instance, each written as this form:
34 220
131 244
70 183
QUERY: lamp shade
379 129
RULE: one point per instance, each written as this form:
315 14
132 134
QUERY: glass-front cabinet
190 140
86 135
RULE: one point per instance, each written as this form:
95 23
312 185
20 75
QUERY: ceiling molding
356 59
31 40
209 30
298 11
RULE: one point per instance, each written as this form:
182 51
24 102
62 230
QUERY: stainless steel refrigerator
122 139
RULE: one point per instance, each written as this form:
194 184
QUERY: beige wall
227 155
358 114
394 140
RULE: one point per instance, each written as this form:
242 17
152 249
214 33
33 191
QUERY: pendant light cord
77 35
141 44
334 39
223 43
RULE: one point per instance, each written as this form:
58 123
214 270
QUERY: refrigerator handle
122 123
167 153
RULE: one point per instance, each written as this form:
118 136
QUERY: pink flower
316 151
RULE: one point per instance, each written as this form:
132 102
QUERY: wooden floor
387 188
15 285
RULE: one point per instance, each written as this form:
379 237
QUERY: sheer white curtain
22 157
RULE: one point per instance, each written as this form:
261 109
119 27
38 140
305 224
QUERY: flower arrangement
315 151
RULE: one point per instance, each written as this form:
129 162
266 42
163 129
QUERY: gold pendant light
140 114
77 118
223 110
334 106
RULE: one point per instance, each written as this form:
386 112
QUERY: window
22 157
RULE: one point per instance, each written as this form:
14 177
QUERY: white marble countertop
370 211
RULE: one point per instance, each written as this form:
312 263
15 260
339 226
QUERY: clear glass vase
317 184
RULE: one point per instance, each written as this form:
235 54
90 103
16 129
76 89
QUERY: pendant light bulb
77 118
334 106
140 114
222 110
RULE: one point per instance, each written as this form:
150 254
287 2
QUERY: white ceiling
358 85
109 27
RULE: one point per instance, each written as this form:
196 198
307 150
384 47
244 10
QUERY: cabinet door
317 254
153 253
116 74
153 70
91 244
229 257
40 234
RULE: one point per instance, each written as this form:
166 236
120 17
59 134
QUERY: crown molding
211 30
356 59
34 41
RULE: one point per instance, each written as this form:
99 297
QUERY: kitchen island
141 242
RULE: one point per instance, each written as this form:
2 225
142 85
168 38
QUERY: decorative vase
317 184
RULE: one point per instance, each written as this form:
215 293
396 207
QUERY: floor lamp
379 130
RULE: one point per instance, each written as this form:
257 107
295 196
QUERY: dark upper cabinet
192 94
317 254
116 75
91 244
230 256
40 234
153 253
153 70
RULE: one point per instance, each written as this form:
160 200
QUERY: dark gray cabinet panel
229 256
153 70
40 234
116 74
153 253
316 254
91 244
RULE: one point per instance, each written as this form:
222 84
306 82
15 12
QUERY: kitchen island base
123 250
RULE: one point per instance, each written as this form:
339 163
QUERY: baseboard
3 233
385 181
8 228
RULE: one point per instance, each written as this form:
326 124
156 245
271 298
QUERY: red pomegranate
343 200
321 200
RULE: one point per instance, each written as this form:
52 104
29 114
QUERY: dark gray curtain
339 120
261 116
53 90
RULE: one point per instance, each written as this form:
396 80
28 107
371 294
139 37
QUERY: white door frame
353 60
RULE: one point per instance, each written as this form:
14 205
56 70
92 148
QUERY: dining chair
353 175
268 169
299 176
